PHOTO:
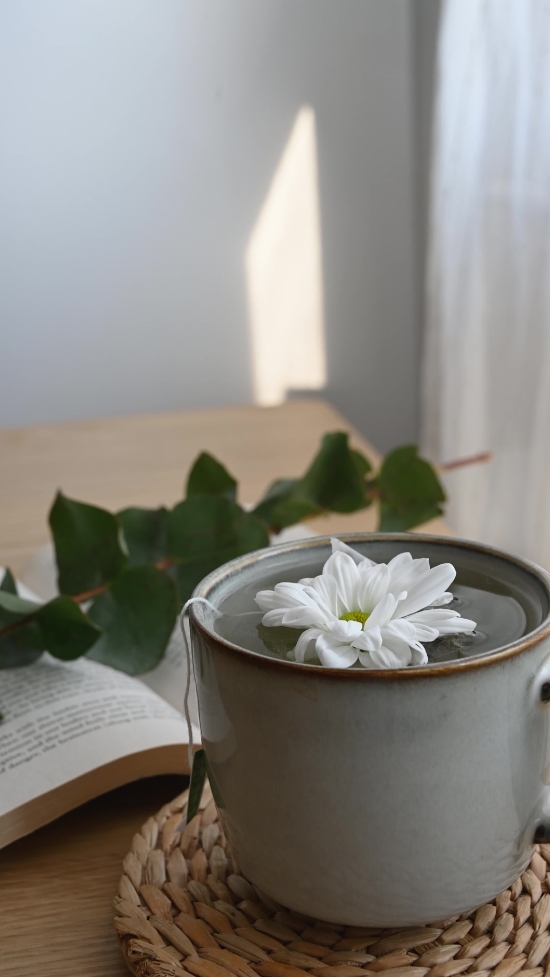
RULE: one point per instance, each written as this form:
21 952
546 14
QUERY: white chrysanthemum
375 613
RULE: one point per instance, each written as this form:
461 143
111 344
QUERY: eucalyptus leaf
30 628
278 640
21 647
334 480
8 584
206 531
196 784
17 606
87 543
361 461
65 631
137 616
279 507
22 642
144 533
14 609
209 477
410 491
291 512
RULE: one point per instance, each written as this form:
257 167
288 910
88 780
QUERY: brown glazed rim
204 589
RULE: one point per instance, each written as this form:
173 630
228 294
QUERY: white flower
375 613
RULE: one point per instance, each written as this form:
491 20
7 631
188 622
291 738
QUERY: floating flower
376 613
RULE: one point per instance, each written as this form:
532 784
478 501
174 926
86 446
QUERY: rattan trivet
183 910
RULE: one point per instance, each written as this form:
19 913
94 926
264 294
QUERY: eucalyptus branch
123 576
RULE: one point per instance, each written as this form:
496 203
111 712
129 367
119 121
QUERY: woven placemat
183 909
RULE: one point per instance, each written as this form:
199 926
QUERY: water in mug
502 615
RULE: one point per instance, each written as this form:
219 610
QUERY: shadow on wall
283 267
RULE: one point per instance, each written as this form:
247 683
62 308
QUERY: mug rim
430 670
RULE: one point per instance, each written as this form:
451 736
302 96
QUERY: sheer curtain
487 353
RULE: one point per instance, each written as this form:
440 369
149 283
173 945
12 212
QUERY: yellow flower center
360 616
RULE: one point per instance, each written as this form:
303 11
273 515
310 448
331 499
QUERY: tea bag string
187 645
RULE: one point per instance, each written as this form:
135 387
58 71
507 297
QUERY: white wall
139 139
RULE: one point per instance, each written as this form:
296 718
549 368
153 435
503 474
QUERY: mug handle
541 834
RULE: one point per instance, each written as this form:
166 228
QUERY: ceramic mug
377 797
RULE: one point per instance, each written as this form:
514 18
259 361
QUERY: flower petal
419 656
404 571
268 600
425 633
400 560
342 568
394 653
304 648
445 598
324 590
274 619
345 630
284 595
445 621
400 628
293 593
382 613
412 634
369 640
333 654
372 587
340 547
304 617
366 660
427 588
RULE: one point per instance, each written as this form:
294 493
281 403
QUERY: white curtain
487 353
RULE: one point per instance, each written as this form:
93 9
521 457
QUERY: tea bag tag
187 645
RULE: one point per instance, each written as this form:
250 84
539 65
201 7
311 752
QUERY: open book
73 730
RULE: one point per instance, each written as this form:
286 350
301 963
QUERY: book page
64 719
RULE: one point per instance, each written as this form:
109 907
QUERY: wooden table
56 887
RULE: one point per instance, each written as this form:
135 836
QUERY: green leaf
87 544
209 477
363 464
196 784
206 531
24 644
410 491
292 512
278 491
65 631
21 647
144 533
335 480
137 616
8 584
59 627
16 607
279 508
278 640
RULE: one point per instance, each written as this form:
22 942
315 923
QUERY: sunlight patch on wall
284 275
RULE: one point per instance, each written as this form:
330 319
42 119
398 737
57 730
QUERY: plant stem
88 594
77 598
449 466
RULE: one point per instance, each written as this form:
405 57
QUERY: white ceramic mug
377 797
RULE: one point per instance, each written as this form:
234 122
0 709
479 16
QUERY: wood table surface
57 886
